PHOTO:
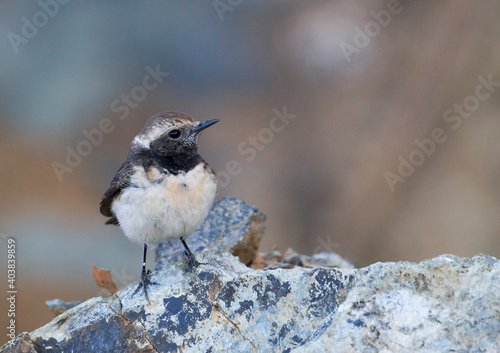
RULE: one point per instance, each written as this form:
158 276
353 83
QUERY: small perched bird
164 189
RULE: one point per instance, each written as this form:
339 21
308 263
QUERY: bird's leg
192 262
145 281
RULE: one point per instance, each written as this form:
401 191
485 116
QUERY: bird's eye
174 134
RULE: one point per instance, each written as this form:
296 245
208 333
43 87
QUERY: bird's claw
144 284
192 263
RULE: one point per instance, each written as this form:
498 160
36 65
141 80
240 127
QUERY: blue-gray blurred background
363 79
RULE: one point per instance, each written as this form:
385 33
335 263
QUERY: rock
323 259
443 304
57 306
274 259
223 306
273 256
290 252
22 344
231 226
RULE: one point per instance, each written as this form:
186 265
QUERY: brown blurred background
365 80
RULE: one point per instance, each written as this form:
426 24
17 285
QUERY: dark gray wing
120 181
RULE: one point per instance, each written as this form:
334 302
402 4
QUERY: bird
164 189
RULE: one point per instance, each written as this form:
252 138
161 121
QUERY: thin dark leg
145 281
192 262
144 254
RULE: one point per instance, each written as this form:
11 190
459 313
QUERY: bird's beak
203 125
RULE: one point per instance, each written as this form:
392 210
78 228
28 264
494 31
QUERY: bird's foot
145 283
192 263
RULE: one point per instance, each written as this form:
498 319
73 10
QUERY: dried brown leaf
103 279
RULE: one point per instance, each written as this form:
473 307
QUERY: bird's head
171 133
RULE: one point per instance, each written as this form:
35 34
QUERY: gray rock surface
322 259
443 304
57 306
231 226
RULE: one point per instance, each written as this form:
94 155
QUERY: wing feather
121 180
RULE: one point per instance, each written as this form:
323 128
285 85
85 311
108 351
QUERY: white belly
166 209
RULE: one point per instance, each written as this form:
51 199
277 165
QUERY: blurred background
321 104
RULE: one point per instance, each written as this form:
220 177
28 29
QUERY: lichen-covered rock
443 304
291 259
231 226
223 306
